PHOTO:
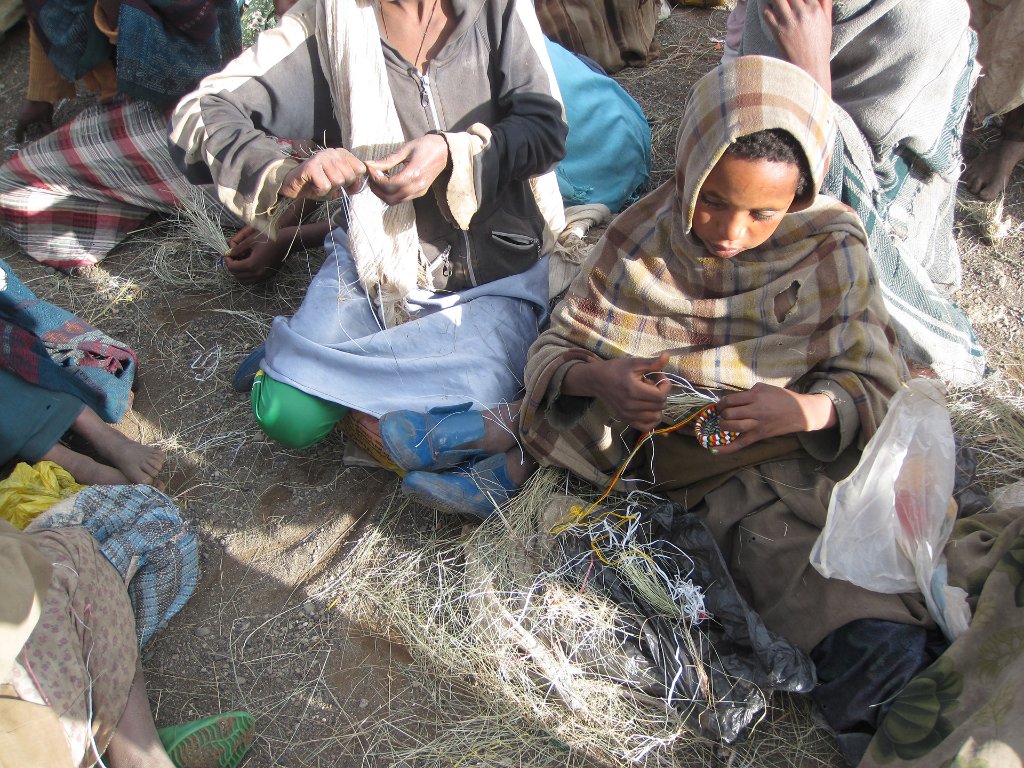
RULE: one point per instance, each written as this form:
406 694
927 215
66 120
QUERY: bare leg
83 469
803 31
135 743
519 465
501 429
988 174
136 462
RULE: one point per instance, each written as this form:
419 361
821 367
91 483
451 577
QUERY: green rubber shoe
220 741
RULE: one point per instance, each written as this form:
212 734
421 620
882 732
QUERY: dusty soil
262 632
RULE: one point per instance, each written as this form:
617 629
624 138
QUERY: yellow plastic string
614 561
577 516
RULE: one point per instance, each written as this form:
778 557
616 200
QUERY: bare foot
137 462
803 31
83 469
988 174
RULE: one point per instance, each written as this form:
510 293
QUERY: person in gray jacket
440 122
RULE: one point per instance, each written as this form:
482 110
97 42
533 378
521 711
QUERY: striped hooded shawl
801 311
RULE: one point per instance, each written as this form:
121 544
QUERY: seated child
70 197
737 277
34 420
734 276
58 373
899 72
74 694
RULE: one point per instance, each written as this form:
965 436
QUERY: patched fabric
141 533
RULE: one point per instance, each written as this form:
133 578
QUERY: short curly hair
776 146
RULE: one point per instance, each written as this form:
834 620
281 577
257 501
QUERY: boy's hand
321 174
624 385
803 31
765 411
423 158
253 257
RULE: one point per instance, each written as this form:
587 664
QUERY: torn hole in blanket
786 300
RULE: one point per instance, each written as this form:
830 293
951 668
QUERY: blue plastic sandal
246 373
431 440
477 489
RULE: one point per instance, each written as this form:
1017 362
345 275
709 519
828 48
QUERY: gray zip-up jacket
490 71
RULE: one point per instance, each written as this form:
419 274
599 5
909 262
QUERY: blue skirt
460 347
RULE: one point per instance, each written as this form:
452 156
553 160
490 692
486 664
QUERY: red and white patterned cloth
70 197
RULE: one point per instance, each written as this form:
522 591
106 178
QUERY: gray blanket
902 71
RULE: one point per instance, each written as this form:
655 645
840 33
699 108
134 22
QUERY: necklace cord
579 516
426 29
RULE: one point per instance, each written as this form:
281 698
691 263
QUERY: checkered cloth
70 197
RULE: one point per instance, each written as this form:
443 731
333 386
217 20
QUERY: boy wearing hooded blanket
736 277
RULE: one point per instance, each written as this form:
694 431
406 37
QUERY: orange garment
45 83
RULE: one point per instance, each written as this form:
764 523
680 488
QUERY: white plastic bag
889 521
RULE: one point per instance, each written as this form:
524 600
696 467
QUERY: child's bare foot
136 462
803 31
83 469
988 174
139 463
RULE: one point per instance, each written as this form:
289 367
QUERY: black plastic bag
717 671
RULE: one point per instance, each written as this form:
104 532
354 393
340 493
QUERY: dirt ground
262 631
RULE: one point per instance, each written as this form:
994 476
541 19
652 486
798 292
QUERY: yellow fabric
31 490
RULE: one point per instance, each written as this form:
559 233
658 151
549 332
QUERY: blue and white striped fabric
143 536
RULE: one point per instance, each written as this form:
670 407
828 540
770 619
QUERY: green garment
289 415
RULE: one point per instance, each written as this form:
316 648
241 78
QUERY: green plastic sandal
220 741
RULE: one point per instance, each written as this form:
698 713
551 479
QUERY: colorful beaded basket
708 432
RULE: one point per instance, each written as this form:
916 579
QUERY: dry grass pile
519 666
523 667
990 418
